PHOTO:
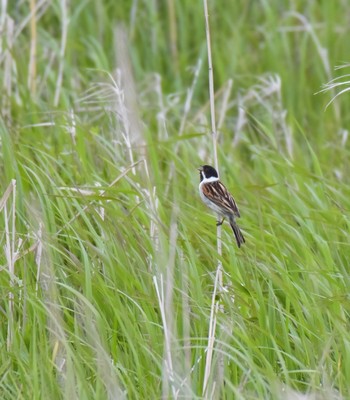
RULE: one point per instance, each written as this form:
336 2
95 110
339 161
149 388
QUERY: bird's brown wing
219 195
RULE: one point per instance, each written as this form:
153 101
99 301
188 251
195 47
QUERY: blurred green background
109 256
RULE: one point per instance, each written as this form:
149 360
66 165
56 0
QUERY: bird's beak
200 169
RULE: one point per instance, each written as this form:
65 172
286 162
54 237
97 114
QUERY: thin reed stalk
207 391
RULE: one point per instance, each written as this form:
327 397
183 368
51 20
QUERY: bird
215 195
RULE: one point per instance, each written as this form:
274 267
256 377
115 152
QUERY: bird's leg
218 223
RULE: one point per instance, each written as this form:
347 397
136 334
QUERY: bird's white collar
208 180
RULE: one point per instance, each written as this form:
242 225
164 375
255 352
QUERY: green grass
115 266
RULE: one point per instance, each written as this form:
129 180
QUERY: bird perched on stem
215 195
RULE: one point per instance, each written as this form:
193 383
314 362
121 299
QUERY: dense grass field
109 258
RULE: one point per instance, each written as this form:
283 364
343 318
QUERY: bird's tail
238 234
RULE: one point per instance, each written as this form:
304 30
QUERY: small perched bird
215 195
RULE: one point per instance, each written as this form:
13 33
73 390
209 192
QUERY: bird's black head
206 171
